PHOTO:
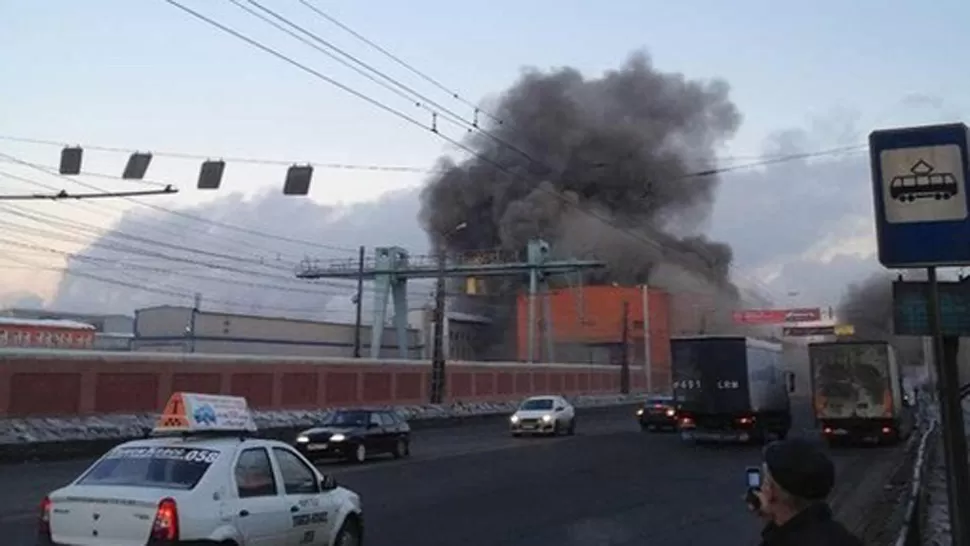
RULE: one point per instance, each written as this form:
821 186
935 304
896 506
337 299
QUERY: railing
911 533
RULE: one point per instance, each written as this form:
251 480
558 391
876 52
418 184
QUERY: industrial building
185 329
111 332
461 335
599 325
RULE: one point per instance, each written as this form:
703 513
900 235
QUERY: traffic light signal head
298 180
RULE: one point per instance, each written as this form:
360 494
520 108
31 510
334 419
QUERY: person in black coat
797 478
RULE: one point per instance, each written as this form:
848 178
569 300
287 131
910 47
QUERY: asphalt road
476 486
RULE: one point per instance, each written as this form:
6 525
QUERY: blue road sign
910 309
919 177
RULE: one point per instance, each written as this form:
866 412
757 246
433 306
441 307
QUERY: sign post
919 179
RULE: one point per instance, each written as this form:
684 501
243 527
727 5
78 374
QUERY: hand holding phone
753 476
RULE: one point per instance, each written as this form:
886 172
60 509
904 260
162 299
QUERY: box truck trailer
857 392
731 389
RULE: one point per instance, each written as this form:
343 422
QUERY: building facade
184 329
111 332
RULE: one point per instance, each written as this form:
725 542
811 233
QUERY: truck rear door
710 375
851 381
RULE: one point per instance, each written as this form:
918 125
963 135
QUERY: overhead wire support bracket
63 194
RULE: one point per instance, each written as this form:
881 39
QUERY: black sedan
354 434
658 413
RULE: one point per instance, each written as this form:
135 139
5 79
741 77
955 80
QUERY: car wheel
556 429
516 434
349 534
572 427
360 454
401 449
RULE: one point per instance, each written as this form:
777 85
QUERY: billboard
831 330
777 316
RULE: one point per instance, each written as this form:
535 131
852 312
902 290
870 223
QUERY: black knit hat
800 468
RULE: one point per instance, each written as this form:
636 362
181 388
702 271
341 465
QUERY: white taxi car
543 415
202 479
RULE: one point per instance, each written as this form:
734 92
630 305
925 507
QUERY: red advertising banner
777 316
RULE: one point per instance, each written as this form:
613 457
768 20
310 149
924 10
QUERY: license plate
317 447
840 432
528 427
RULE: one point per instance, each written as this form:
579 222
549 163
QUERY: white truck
857 392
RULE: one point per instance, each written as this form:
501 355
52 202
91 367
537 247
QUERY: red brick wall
47 383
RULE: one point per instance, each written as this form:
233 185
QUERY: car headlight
514 418
670 413
338 438
640 412
546 418
302 439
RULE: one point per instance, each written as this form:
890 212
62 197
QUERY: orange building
587 325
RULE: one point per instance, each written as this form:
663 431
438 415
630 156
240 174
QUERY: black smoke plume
868 307
618 147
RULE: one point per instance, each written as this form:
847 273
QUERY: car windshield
537 404
347 419
151 466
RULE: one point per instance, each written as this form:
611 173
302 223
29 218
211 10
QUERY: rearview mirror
372 425
328 483
560 408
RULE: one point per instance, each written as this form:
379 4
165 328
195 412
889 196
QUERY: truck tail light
45 517
166 525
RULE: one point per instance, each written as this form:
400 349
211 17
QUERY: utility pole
359 301
625 350
196 305
647 356
437 355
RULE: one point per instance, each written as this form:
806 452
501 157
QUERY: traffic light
210 175
298 180
137 166
71 160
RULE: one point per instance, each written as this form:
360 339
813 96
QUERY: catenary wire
180 213
392 85
398 60
248 245
606 220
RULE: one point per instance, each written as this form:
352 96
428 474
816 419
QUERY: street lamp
438 358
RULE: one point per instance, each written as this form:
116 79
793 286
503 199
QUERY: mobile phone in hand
753 477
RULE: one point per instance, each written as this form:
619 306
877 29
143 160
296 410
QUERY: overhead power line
232 159
158 289
352 62
63 194
454 94
186 215
680 255
160 225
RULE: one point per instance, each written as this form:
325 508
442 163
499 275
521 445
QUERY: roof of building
50 323
18 312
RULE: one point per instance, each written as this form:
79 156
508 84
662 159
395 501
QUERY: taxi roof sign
192 413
